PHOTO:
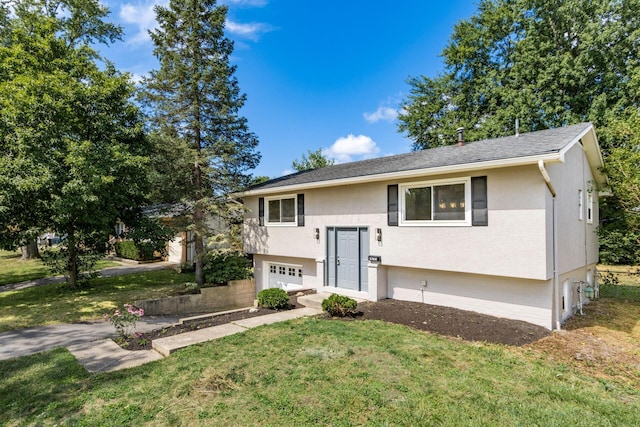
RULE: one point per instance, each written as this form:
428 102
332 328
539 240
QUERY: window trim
589 208
293 223
433 222
580 205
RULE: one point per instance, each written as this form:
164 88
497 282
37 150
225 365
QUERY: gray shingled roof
525 145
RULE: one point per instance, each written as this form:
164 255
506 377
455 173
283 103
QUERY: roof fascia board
591 148
466 167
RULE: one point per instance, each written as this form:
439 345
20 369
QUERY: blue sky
327 75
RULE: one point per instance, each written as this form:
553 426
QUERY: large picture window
436 203
281 210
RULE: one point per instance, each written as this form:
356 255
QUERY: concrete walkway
88 343
106 272
23 342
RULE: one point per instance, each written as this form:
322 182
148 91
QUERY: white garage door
284 276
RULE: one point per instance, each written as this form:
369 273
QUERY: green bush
129 250
339 305
220 267
275 298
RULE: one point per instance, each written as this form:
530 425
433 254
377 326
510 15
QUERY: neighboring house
181 250
505 226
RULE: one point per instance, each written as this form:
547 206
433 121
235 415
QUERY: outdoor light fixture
379 234
317 234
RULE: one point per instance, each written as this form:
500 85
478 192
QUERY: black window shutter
261 210
300 210
392 205
479 211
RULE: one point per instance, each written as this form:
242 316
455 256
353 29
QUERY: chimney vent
460 137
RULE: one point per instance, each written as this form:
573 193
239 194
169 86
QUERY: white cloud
287 172
251 31
141 15
343 150
382 113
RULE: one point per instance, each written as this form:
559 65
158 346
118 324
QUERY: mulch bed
466 325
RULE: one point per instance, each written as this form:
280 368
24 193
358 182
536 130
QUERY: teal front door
347 253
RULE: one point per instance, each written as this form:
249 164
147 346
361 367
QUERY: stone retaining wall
237 294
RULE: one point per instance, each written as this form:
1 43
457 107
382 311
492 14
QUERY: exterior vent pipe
460 137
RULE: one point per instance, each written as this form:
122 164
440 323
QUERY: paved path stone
106 356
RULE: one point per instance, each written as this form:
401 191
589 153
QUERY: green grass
317 372
14 270
51 304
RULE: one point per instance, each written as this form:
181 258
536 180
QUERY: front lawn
51 304
15 270
319 372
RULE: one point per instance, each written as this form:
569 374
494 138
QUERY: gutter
556 279
409 174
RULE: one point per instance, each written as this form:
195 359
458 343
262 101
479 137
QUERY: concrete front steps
315 300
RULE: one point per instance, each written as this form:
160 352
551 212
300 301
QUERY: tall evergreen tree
72 148
194 103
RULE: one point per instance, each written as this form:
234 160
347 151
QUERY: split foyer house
505 226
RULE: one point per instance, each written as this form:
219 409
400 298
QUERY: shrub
339 305
129 250
275 298
220 267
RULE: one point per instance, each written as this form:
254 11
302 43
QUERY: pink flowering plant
124 319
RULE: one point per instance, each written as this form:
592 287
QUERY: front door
347 259
347 253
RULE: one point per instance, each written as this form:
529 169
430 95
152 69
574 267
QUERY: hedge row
128 249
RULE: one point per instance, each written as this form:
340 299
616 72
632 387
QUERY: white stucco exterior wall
503 269
513 244
526 300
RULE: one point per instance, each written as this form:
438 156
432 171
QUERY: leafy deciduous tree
72 148
547 64
312 160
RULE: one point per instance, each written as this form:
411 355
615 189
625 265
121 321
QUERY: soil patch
452 322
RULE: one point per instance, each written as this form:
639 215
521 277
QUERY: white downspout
556 297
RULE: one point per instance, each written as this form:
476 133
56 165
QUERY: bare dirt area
604 342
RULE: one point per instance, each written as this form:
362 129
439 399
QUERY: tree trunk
73 260
199 245
30 250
